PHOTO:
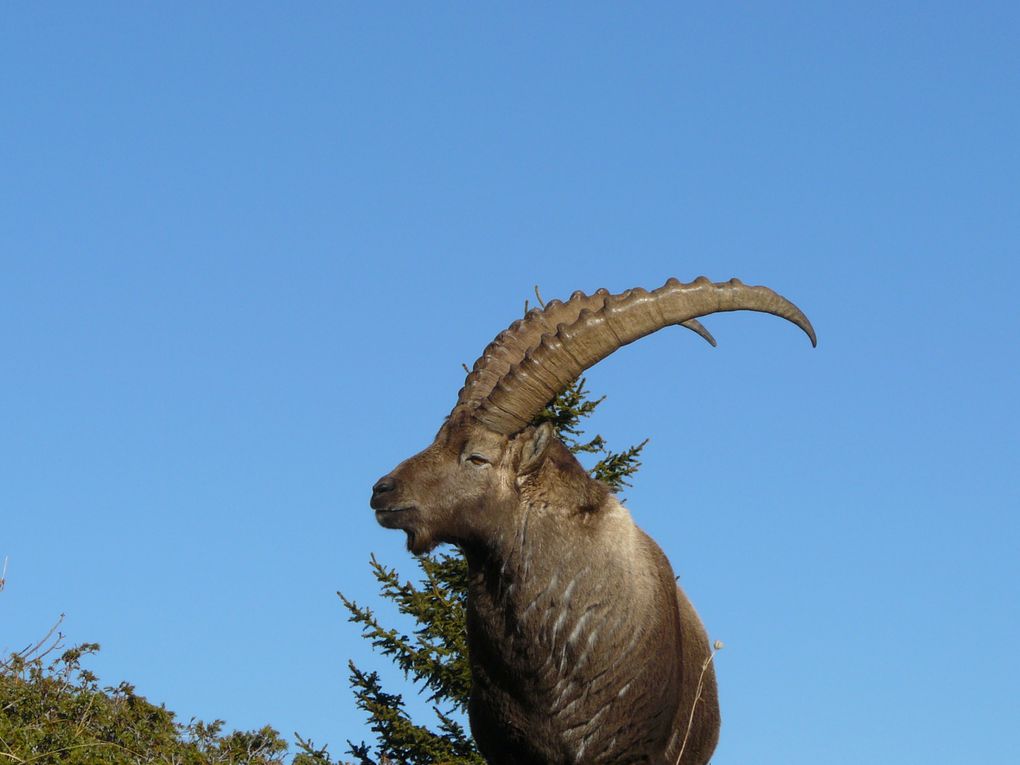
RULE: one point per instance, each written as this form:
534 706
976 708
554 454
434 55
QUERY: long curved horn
602 326
511 345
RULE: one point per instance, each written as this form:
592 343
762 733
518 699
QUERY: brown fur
582 647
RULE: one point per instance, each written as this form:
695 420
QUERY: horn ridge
510 345
599 329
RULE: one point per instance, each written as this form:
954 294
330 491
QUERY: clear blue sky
247 246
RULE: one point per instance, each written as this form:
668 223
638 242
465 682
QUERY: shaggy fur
582 647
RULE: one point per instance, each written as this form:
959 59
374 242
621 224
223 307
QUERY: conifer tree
433 655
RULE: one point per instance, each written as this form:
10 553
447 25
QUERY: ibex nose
383 485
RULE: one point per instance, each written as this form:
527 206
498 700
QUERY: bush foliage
54 710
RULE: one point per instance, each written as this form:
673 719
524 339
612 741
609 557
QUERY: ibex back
582 647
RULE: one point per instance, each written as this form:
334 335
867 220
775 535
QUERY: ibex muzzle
582 647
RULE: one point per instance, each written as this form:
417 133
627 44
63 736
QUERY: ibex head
465 486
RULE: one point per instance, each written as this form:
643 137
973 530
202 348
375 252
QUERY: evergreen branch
616 467
399 738
436 657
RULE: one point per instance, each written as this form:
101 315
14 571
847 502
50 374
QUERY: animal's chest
556 674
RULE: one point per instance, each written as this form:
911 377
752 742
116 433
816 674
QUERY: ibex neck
538 557
547 597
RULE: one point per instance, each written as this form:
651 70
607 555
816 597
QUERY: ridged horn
510 346
599 327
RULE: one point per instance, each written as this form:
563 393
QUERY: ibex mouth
406 518
391 517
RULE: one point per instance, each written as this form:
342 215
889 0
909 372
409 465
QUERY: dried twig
39 649
717 646
30 650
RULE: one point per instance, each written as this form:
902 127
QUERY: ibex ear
534 448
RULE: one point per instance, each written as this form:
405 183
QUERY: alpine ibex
582 647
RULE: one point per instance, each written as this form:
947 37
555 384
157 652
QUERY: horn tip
699 329
810 332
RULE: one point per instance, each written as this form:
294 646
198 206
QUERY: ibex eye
474 459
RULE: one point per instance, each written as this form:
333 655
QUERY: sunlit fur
582 647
